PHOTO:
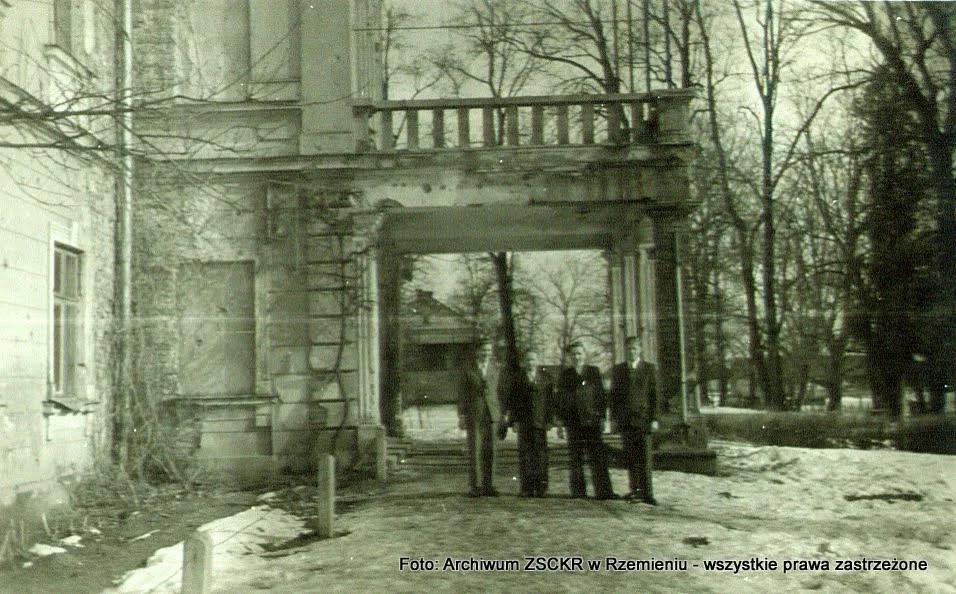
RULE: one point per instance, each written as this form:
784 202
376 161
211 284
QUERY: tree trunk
503 275
834 378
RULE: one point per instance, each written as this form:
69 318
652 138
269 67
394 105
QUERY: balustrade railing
553 120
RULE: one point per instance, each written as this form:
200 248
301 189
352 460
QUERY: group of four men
490 401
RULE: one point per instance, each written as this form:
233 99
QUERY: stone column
645 298
622 273
659 277
368 341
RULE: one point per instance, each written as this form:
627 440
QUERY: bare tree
475 291
709 263
770 39
574 296
828 228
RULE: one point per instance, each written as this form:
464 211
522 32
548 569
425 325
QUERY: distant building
436 342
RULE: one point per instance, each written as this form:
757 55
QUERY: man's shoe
490 492
608 497
474 493
649 501
633 495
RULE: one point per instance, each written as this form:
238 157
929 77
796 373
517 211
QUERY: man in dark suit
528 408
582 404
479 413
634 416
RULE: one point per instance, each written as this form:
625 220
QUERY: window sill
234 400
65 407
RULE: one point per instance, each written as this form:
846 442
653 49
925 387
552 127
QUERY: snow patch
42 550
237 542
72 541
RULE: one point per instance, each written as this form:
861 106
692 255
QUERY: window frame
67 324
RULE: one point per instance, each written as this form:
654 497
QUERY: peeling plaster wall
288 81
178 224
306 353
47 196
71 202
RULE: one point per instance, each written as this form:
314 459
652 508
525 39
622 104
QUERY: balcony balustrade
555 120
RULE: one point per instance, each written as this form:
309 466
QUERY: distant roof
427 320
425 304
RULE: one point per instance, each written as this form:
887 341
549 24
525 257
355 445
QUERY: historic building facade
57 213
272 200
267 235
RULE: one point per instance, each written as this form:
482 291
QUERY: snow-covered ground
769 503
238 543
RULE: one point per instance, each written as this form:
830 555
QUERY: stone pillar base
683 446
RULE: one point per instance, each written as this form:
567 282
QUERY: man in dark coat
634 415
582 405
479 413
529 409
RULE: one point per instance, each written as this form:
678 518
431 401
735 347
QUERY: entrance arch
642 248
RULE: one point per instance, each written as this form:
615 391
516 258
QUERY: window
426 357
67 322
63 24
239 49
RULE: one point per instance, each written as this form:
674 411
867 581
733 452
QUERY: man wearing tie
478 414
634 413
582 404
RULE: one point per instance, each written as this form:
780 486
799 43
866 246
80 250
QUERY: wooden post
326 496
637 121
197 563
386 140
438 128
511 123
614 113
360 124
488 126
411 129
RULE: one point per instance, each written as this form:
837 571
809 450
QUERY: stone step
452 454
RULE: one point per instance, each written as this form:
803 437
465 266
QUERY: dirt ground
168 517
769 503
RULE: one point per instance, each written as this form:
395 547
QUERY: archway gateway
324 234
641 243
628 196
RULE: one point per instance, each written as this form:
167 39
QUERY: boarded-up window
213 48
239 49
67 321
216 305
274 49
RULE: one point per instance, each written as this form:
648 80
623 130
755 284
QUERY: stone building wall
52 199
300 246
